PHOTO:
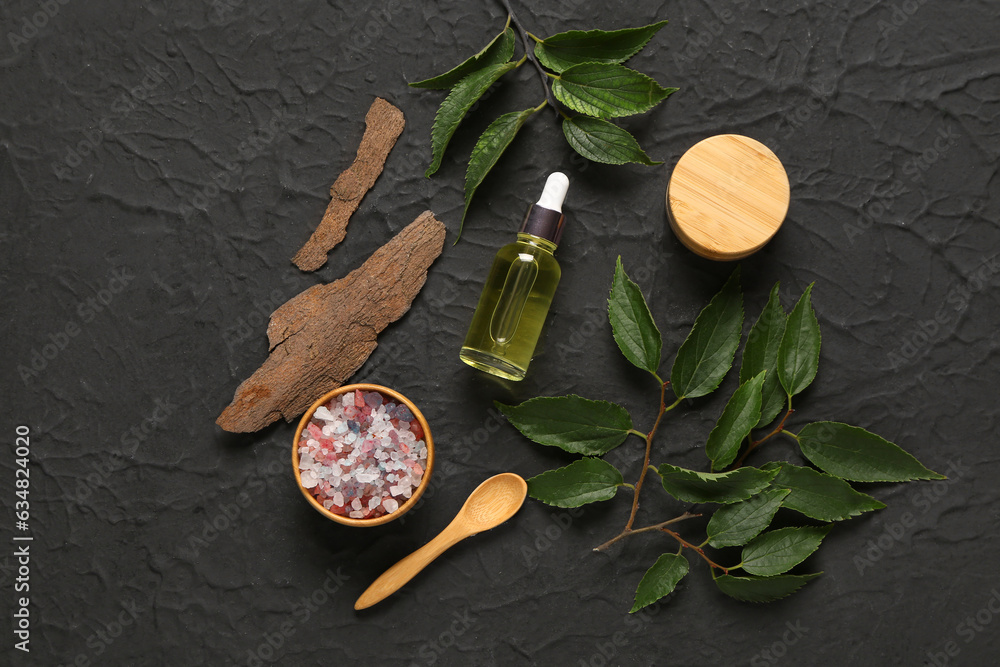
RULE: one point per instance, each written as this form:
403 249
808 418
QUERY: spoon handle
399 574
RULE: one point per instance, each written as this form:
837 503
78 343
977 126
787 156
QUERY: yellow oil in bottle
512 308
518 291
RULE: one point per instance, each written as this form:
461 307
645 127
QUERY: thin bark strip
383 125
319 338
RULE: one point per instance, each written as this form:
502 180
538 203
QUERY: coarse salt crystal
361 455
309 479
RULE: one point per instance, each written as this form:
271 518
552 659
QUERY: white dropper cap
554 192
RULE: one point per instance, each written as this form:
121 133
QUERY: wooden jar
727 197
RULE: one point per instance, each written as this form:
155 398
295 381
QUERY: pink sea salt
362 455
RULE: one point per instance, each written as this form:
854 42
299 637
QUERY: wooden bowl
428 467
727 197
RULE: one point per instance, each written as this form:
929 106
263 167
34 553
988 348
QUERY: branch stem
645 461
754 444
646 529
697 549
530 53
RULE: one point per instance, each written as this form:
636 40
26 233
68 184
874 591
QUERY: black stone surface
170 158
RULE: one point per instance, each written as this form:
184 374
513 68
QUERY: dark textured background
207 172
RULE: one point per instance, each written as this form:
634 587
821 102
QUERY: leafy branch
780 359
583 81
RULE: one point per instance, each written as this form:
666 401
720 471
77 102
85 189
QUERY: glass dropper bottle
516 298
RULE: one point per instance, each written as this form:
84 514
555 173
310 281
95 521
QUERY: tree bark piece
383 125
319 338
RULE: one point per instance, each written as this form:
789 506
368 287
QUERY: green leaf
853 453
737 524
572 423
707 353
497 51
762 589
565 49
491 145
581 482
608 91
778 551
459 101
632 325
761 354
706 487
798 354
660 580
818 495
601 141
739 416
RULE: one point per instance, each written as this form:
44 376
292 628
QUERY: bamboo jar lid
727 197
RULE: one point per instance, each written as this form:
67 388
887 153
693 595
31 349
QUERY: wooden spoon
493 502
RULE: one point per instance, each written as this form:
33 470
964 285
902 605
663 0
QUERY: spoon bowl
493 502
